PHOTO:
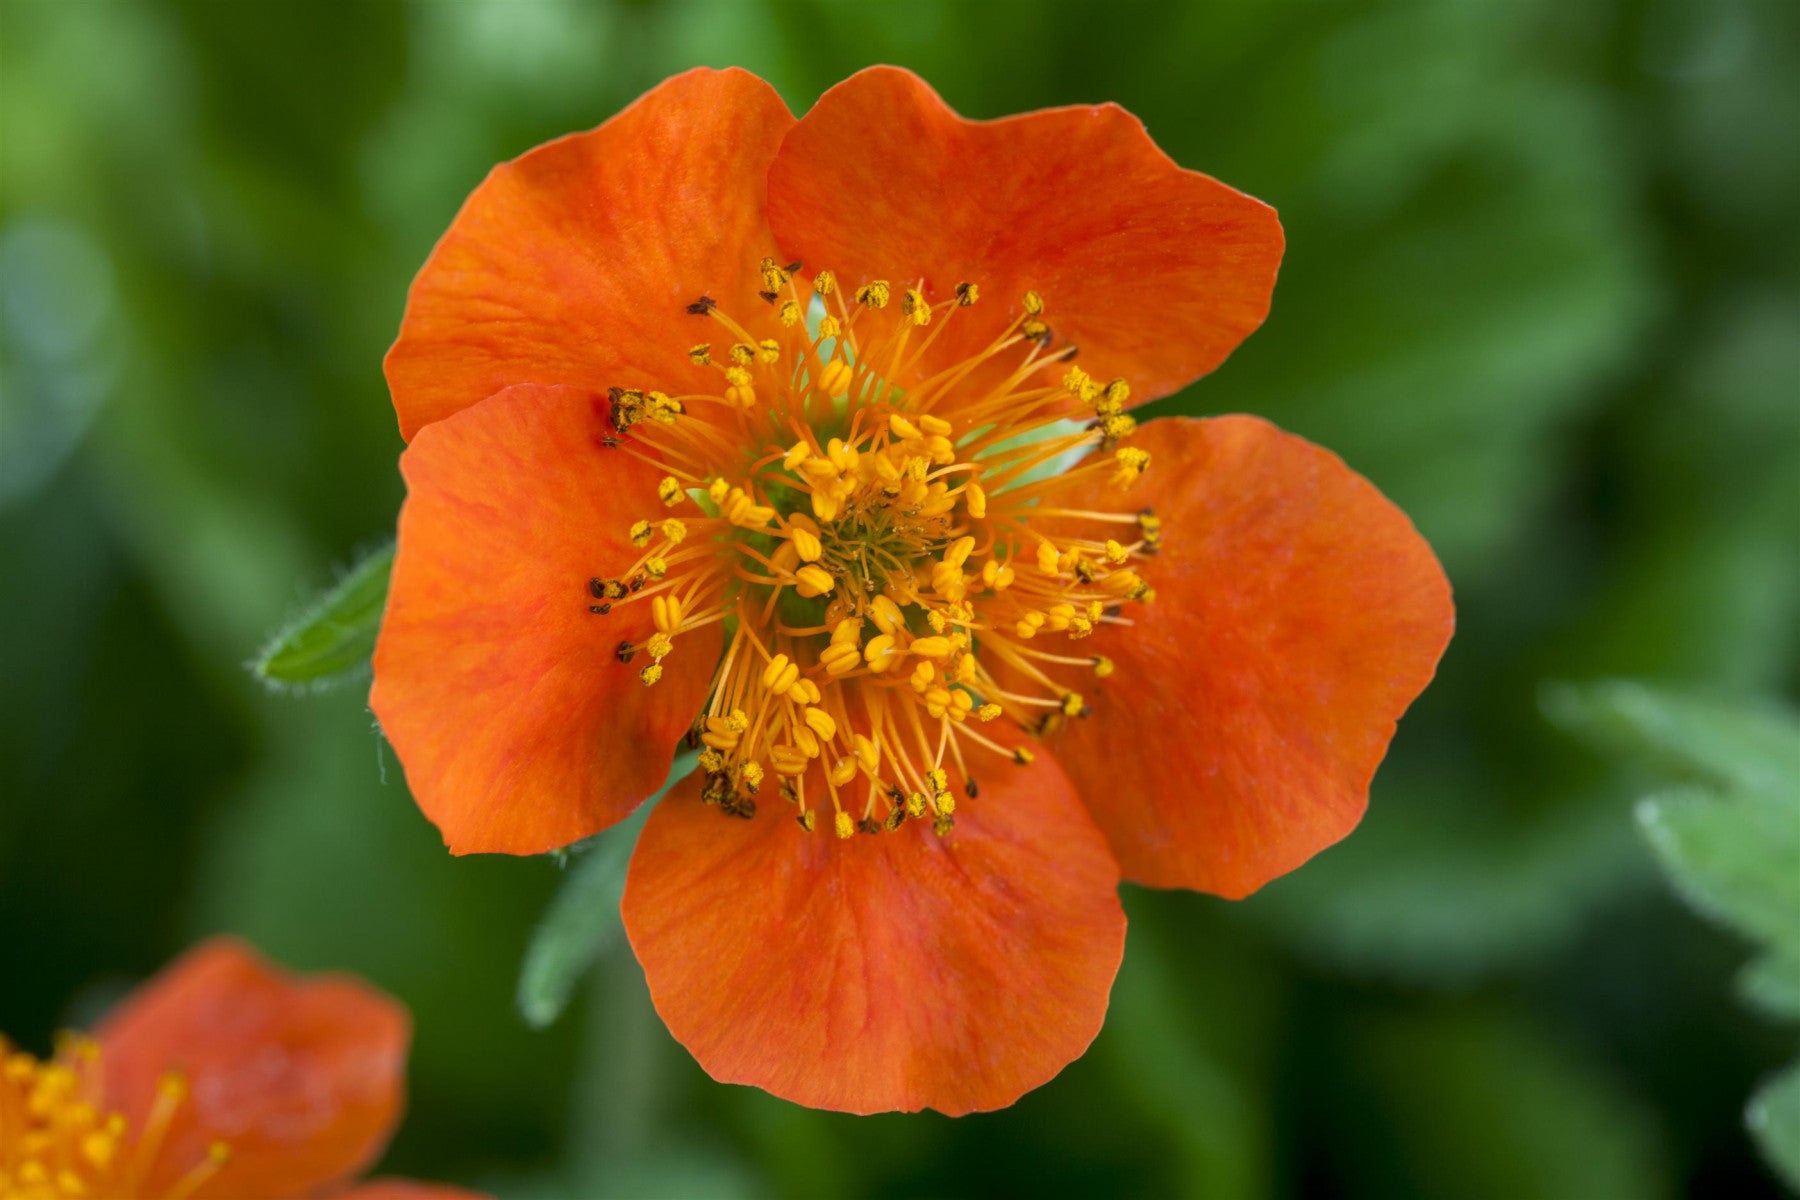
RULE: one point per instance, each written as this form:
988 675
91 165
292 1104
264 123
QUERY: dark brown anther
969 789
895 818
637 582
613 393
625 652
597 588
868 825
769 297
793 266
600 610
703 306
1072 353
789 792
742 806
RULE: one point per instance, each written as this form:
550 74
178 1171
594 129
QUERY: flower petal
1155 272
893 971
519 729
301 1077
1298 613
572 264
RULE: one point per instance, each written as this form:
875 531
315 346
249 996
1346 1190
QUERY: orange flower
219 1078
764 432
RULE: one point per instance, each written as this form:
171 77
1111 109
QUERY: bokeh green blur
1542 286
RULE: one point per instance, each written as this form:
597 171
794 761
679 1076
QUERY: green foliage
332 640
1731 849
582 923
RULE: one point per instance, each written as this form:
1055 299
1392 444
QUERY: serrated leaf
1744 745
333 639
1735 856
1772 984
582 922
1773 1116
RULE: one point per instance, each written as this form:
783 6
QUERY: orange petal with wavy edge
889 971
1155 272
519 729
573 263
1297 614
302 1077
407 1189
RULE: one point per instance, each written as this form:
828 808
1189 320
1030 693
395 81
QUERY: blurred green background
1542 286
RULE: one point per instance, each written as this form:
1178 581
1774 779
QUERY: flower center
57 1141
892 564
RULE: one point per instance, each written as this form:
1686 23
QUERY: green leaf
582 922
1734 856
1726 744
1772 984
1773 1116
333 639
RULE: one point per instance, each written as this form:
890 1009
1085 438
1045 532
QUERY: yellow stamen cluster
890 559
58 1142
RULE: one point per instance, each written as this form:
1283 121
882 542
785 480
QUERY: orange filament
892 566
57 1140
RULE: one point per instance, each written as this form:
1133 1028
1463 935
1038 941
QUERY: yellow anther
840 657
743 356
997 575
710 760
752 773
774 277
780 673
868 753
844 825
942 452
829 328
1132 463
1034 303
651 673
902 428
988 711
1028 625
640 533
967 294
656 566
931 647
825 283
924 674
1121 583
881 652
1059 615
719 735
807 740
806 544
701 355
913 305
847 632
820 722
834 379
1047 559
671 491
935 426
842 771
938 701
718 489
886 615
1116 394
1034 329
806 819
1072 704
1023 756
1118 426
974 500
915 804
813 581
768 350
944 802
826 504
1077 382
665 613
1115 552
959 552
798 453
874 294
673 528
789 313
659 644
842 454
788 760
1103 666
